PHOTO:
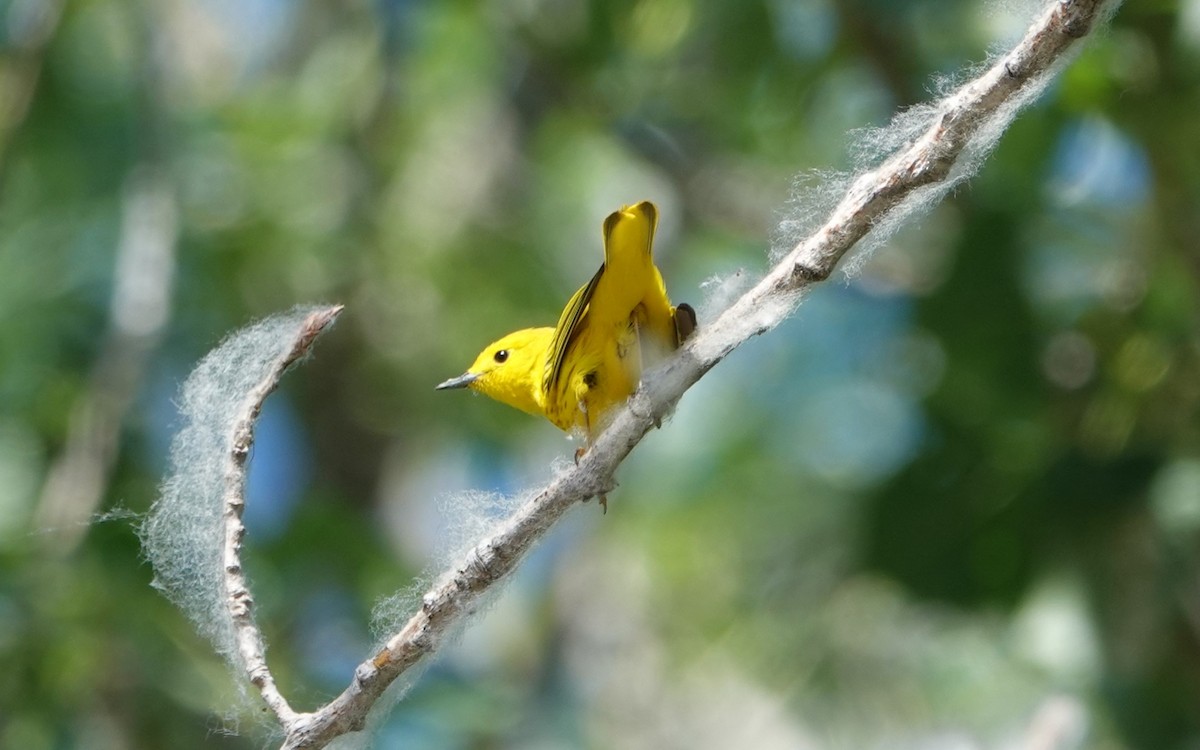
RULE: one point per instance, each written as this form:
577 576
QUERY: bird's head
510 369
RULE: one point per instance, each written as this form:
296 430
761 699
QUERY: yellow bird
573 374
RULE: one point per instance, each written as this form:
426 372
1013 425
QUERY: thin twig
929 160
237 591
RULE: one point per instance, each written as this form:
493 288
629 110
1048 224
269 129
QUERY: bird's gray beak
462 381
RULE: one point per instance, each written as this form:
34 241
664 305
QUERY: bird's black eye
501 355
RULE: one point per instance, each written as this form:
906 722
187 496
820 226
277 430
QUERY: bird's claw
685 322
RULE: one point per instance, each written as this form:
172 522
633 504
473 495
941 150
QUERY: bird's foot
602 497
685 322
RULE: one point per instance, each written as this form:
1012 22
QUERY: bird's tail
630 230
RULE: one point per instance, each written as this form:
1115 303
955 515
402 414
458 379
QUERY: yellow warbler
574 373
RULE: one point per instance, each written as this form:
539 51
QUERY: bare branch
962 128
193 533
237 591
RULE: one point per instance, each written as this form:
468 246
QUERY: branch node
1075 23
805 273
364 672
367 670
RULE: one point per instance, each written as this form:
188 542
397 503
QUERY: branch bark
958 129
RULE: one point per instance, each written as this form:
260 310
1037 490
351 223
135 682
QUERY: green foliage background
958 491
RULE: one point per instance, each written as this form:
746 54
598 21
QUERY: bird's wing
564 333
